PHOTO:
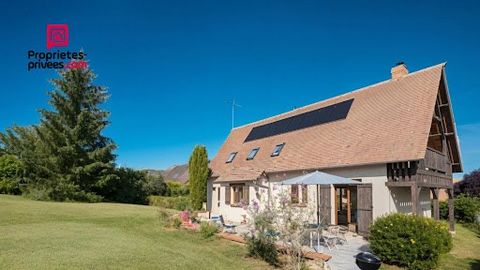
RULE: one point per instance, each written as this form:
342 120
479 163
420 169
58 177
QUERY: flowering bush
411 241
261 241
185 216
278 220
290 224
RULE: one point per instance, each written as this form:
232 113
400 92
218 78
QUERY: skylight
253 153
231 157
278 148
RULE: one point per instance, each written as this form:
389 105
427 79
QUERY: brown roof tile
388 121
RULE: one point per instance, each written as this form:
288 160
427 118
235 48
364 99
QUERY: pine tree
79 158
198 174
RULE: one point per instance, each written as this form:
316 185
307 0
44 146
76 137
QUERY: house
397 138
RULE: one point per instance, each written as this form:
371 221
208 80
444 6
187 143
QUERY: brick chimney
398 71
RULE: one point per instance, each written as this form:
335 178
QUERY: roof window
231 157
278 148
252 153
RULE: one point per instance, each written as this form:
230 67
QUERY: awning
319 178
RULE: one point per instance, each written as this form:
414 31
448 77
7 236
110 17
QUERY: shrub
208 230
470 184
262 247
10 174
166 217
155 185
176 189
37 193
126 187
175 222
443 210
466 209
411 241
177 203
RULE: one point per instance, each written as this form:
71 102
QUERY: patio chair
228 228
330 241
340 233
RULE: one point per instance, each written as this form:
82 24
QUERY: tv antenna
234 105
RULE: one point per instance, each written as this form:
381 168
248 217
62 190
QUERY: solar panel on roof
316 117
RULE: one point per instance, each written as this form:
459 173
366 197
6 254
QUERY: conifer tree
81 156
198 174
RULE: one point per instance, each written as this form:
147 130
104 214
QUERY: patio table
314 229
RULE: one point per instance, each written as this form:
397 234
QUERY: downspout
318 205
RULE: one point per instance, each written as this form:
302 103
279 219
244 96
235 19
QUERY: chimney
398 71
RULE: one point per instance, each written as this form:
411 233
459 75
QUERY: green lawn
464 255
50 235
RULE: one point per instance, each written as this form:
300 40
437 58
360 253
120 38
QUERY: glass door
346 205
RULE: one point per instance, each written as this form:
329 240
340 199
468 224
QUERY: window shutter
246 194
294 193
227 194
304 194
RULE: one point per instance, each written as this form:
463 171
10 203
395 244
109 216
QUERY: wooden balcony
436 161
435 171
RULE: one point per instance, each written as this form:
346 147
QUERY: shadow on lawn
475 264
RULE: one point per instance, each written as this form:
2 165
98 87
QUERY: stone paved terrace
343 257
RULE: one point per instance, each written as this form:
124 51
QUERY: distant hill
175 173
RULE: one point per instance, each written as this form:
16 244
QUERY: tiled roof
387 122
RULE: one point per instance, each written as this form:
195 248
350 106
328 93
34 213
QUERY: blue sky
171 66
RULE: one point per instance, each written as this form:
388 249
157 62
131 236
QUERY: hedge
466 209
178 203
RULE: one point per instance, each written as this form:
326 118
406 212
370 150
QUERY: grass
465 253
51 235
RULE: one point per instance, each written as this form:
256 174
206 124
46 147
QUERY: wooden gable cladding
444 111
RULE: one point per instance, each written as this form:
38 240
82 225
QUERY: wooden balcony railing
434 170
436 161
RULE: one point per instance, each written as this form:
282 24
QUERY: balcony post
451 213
415 192
436 206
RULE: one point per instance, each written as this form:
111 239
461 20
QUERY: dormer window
278 148
231 157
252 153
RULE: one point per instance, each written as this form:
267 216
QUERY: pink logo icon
57 35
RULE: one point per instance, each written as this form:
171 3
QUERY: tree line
66 156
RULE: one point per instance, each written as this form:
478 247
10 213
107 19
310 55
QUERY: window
239 195
294 194
278 148
299 194
253 153
231 157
